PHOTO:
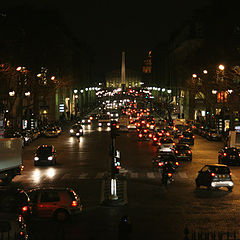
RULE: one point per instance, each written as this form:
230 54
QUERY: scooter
167 178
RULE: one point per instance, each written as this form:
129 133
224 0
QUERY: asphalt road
156 212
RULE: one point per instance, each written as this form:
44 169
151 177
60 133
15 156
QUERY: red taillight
189 152
213 174
24 209
177 163
174 144
140 135
150 135
74 203
159 144
21 233
160 134
169 174
193 136
168 134
155 139
145 130
225 154
230 174
181 136
160 164
176 151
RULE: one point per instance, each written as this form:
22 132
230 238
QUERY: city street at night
154 210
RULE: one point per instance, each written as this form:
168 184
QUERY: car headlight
89 121
108 124
50 158
71 131
83 121
36 158
99 124
116 114
80 130
26 139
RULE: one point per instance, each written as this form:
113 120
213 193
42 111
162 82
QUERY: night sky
109 26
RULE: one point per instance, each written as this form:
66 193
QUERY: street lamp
194 75
27 94
12 93
205 71
75 91
221 67
214 91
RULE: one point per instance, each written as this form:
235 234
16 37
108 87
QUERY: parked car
16 201
187 137
183 152
45 154
213 135
60 203
12 227
229 156
215 176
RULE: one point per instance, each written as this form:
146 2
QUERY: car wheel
61 215
230 189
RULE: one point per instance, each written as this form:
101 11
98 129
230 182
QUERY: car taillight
225 154
174 144
140 135
193 136
24 209
230 174
169 174
145 130
213 174
168 134
150 135
189 152
181 136
176 151
160 164
159 144
154 139
177 163
74 203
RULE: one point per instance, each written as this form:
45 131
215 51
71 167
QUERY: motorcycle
167 178
78 136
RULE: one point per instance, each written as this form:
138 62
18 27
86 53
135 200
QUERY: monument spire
123 71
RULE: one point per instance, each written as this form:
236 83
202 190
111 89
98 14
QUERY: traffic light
116 165
114 129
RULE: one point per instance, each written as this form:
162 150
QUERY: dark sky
112 25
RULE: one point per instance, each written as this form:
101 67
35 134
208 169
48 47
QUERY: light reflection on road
39 174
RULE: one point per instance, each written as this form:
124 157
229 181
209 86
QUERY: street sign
61 107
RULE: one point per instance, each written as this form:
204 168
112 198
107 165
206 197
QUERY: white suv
59 203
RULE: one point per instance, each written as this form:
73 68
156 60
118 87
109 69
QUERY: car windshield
44 150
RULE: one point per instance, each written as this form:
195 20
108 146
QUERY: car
51 132
85 121
213 135
215 176
12 227
143 134
76 128
166 143
15 200
132 126
187 137
45 154
163 157
59 203
229 156
183 152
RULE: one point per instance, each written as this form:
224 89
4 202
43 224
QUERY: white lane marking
182 175
150 175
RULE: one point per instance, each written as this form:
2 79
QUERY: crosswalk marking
150 175
83 176
100 175
134 175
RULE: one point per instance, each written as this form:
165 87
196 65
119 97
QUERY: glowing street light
221 67
205 71
39 75
75 91
19 68
194 75
12 93
53 78
214 91
27 94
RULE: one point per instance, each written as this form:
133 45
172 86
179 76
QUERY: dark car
45 154
163 157
183 152
229 156
187 137
143 134
213 135
215 176
15 200
76 128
